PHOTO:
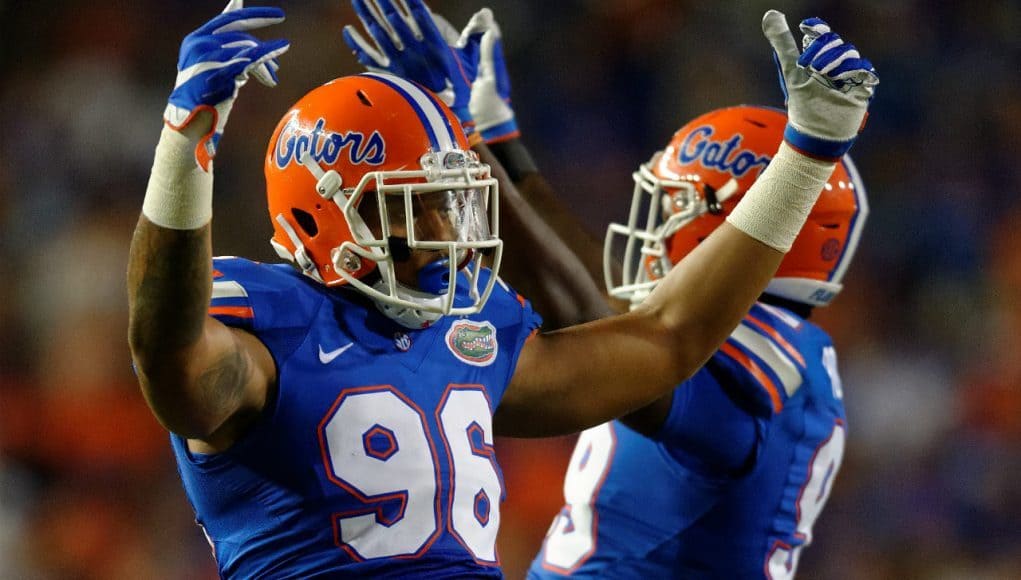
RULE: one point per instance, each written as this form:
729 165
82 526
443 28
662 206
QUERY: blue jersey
731 485
375 458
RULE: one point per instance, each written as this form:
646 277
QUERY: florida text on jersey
375 459
731 485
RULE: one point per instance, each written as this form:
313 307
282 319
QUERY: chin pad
432 278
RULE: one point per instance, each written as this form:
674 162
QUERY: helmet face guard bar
658 209
468 213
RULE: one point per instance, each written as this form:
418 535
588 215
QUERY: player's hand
827 88
215 61
490 96
411 43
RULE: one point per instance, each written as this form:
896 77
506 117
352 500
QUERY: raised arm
203 380
562 273
582 376
558 270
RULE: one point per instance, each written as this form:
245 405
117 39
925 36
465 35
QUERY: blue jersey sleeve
516 322
759 363
707 431
271 301
717 418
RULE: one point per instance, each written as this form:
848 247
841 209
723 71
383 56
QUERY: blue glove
214 62
827 88
490 96
415 48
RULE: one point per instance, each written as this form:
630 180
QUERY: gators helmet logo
473 342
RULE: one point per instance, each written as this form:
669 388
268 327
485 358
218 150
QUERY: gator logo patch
473 342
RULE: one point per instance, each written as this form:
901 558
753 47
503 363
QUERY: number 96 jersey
375 459
731 484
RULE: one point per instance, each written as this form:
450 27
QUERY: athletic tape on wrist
180 194
778 203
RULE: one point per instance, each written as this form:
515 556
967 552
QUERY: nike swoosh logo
327 357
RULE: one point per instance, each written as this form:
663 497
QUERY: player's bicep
236 383
575 378
221 381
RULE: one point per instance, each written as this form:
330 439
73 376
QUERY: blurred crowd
925 328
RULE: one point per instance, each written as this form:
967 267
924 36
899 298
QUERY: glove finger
365 53
229 39
778 33
503 85
240 44
856 71
243 19
487 48
398 23
265 76
266 51
375 24
266 72
228 78
479 23
216 60
834 57
820 45
410 17
812 28
428 27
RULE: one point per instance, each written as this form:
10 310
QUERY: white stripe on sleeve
772 355
228 289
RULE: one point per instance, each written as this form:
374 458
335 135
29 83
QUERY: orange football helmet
685 191
355 172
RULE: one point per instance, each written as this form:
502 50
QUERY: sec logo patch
473 342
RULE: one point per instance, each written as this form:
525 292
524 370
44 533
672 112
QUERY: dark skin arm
203 380
540 264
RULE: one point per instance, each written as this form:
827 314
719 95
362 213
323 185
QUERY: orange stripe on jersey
769 330
521 299
235 311
217 274
754 370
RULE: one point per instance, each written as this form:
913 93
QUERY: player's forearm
170 259
169 287
170 276
540 264
705 296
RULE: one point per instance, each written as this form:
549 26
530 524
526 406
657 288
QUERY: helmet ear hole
305 221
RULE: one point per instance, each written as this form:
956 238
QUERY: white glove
490 96
827 88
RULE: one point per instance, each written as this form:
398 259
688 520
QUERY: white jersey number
783 561
572 536
377 446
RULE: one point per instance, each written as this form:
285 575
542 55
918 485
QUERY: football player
725 476
333 417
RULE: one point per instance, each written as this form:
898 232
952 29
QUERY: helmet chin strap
431 277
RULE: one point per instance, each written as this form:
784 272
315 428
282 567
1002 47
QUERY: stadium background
926 327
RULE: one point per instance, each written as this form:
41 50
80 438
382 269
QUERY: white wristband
180 194
778 203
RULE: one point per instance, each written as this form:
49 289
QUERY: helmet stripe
857 221
437 127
